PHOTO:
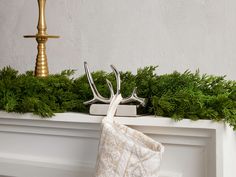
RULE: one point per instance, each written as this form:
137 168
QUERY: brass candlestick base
41 66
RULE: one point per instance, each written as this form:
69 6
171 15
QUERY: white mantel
66 145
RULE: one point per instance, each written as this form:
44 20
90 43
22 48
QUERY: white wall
174 34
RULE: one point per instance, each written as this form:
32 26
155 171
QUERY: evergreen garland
176 95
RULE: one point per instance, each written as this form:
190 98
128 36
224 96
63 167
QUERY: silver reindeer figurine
97 97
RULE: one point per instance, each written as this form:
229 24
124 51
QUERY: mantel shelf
150 120
66 145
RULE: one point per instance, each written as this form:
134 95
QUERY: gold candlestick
41 66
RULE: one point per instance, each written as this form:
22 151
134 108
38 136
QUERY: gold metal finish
41 66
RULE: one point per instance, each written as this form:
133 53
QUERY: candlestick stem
42 27
41 66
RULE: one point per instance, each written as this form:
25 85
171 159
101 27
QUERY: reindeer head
97 97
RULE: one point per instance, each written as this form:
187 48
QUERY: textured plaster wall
174 34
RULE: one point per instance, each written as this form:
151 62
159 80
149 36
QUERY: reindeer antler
97 97
134 97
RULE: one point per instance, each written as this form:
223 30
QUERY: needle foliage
176 95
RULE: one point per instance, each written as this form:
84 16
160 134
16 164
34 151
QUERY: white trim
135 121
76 129
170 174
36 165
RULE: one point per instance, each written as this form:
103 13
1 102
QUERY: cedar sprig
176 95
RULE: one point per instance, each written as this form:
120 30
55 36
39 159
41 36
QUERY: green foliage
176 95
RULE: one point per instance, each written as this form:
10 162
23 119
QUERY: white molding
201 140
26 166
51 166
170 174
150 121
